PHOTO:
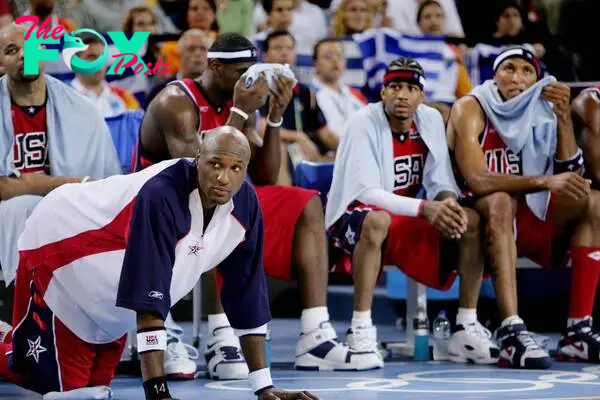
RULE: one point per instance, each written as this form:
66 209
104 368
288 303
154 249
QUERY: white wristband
152 340
85 179
274 124
260 379
239 112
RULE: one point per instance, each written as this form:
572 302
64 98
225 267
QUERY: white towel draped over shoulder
365 158
527 125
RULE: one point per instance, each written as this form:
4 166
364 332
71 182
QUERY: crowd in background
337 48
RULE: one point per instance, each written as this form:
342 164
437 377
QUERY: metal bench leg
197 313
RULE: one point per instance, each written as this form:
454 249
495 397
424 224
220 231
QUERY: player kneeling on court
97 258
392 150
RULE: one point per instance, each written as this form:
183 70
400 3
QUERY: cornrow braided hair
405 63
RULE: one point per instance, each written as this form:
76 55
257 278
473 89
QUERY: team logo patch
595 255
151 340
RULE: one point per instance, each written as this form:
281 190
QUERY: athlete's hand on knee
447 216
569 184
280 97
280 394
250 99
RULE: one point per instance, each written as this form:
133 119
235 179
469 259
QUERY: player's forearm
591 149
399 205
33 184
329 139
151 344
566 146
253 347
489 183
288 135
264 169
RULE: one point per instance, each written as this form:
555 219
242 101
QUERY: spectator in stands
235 16
586 107
337 101
49 136
381 19
193 46
44 9
404 15
302 119
6 15
279 18
352 16
430 18
309 21
509 27
199 14
532 198
109 100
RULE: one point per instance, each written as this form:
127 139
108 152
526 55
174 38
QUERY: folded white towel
270 70
87 393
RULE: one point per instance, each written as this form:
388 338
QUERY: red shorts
281 207
45 355
412 244
541 241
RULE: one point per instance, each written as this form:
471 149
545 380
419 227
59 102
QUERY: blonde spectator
352 16
381 19
431 21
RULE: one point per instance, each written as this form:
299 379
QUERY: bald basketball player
84 282
295 241
521 167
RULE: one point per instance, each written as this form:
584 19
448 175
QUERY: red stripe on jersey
50 257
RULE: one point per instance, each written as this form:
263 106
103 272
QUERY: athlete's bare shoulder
466 119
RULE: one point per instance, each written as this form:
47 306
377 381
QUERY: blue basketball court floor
398 380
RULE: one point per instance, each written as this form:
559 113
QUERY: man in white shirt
337 100
109 100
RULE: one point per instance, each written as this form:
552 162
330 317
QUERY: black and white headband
521 53
241 55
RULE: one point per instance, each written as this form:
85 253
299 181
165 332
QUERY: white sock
466 316
361 319
313 317
575 321
217 321
512 320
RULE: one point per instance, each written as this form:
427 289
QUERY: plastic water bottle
441 334
421 332
268 347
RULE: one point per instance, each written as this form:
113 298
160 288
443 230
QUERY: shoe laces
527 340
479 330
179 350
363 339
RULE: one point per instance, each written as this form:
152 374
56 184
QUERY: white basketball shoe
473 343
223 355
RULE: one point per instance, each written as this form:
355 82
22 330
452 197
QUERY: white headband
249 53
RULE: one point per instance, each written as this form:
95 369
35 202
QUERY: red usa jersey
30 152
410 153
210 115
499 158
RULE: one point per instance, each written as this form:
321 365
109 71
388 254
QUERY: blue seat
316 176
124 129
